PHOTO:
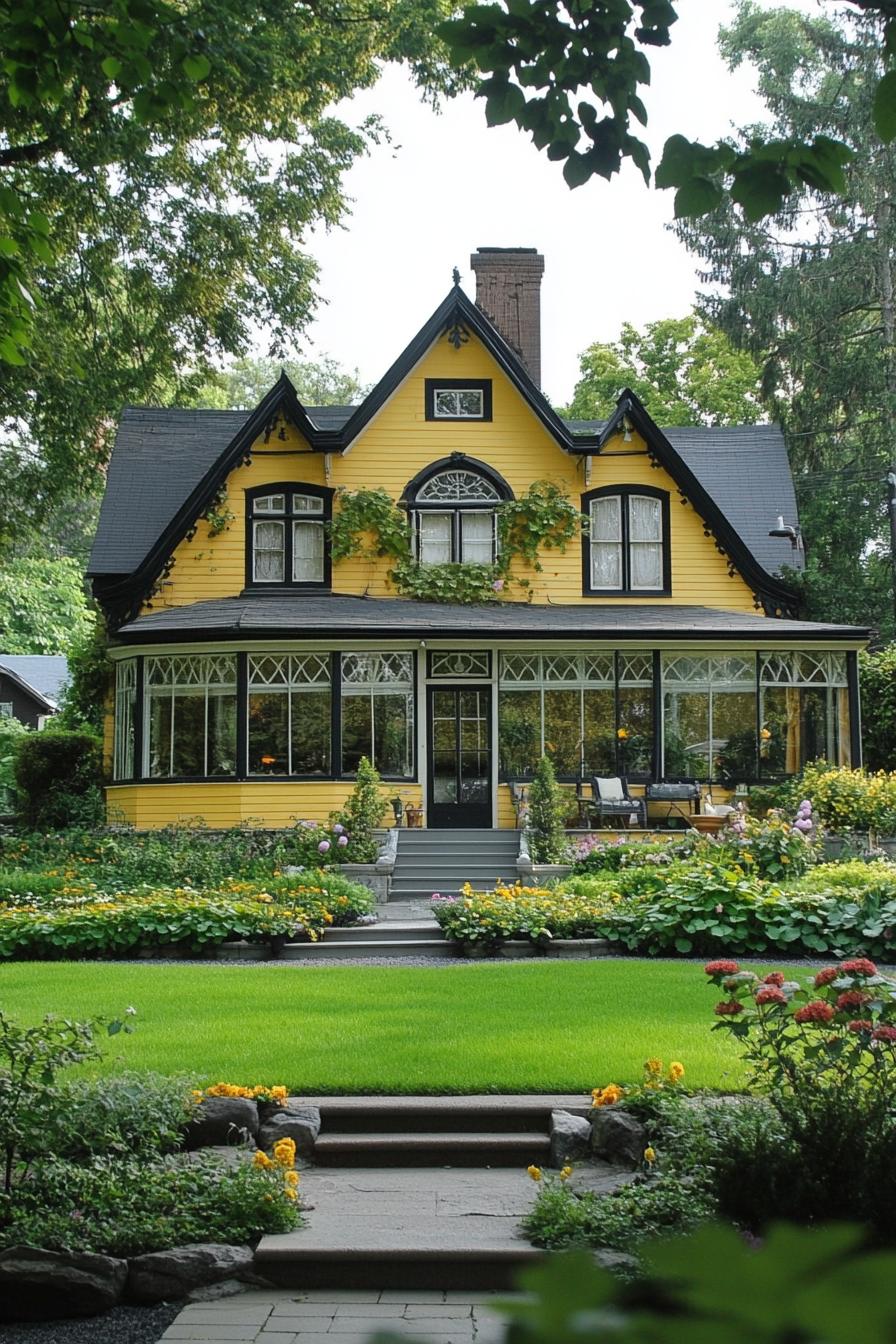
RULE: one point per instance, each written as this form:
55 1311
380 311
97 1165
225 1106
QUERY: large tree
161 165
684 370
810 294
243 383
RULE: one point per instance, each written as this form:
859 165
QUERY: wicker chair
603 808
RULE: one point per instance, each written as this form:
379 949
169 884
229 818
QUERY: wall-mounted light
789 531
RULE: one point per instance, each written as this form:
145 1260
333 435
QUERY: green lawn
542 1026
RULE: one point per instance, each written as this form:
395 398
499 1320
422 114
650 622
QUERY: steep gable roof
43 675
167 464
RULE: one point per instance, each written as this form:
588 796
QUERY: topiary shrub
362 814
546 816
58 778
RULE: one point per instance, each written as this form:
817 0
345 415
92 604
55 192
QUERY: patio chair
611 798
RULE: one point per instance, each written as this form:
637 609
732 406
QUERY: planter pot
708 825
833 846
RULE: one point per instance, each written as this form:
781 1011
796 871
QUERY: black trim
457 676
444 816
398 779
287 488
855 708
625 493
658 763
483 385
242 716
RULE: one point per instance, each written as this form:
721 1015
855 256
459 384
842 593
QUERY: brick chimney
508 290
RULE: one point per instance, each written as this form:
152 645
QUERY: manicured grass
470 1028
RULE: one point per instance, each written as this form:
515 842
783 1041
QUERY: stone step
403 893
472 1114
447 1148
325 950
393 930
342 1250
456 867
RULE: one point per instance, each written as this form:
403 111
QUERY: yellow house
452 580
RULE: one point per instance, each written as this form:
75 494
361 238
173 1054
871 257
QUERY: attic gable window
458 399
626 550
286 543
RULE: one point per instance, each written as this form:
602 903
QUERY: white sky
450 184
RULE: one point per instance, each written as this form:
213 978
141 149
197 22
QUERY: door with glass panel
460 756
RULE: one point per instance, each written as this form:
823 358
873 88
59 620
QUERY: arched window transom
453 513
458 487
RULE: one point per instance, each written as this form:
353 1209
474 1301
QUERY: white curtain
307 552
268 552
477 531
606 542
645 538
435 538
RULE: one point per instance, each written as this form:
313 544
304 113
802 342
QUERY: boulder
227 1156
48 1285
222 1120
570 1138
617 1136
165 1276
295 1121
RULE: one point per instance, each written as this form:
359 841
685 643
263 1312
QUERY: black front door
460 756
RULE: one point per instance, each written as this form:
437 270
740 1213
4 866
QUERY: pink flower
825 977
338 828
816 1011
721 968
884 1033
323 847
728 1008
803 824
774 978
498 586
860 1024
770 994
342 841
851 998
859 966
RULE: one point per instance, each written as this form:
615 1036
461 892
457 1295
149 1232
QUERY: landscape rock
222 1120
228 1156
46 1285
570 1138
616 1261
296 1121
617 1136
163 1276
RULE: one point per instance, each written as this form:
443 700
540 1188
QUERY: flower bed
691 908
59 914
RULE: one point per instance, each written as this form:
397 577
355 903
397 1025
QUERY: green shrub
139 1114
592 854
877 676
129 1206
362 815
546 815
58 777
649 1207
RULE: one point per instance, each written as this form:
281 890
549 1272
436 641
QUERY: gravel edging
121 1325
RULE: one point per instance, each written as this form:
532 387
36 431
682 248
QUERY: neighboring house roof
167 465
268 616
44 676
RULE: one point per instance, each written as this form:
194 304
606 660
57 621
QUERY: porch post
658 763
855 708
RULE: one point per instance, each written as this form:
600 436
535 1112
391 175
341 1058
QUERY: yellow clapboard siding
225 804
400 442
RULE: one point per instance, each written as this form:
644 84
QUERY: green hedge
58 777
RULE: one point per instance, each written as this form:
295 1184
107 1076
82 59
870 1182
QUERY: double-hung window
627 544
454 517
287 536
458 399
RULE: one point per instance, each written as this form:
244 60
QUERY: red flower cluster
721 968
775 978
770 994
852 998
860 1024
816 1011
860 966
884 1034
729 1008
826 976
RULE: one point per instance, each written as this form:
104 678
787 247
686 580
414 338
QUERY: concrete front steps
396 1201
442 861
392 939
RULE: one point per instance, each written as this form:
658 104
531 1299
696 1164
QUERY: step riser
535 1124
344 951
439 1156
384 932
391 1270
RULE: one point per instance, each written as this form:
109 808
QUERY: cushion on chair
610 790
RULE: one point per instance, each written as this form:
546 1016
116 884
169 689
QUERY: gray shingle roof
269 615
745 470
45 673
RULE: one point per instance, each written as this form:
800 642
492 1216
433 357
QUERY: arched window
286 541
626 546
452 506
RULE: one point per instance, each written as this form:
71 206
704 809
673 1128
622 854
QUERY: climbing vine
369 525
218 515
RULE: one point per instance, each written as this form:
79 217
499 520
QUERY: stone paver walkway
347 1316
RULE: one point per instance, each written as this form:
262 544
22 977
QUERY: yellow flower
291 1178
622 734
290 1194
676 1071
764 734
534 1172
650 1156
262 1160
606 1096
565 1173
653 1066
285 1152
